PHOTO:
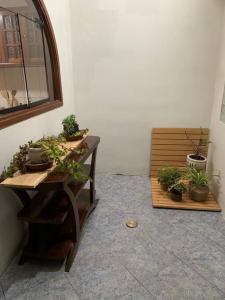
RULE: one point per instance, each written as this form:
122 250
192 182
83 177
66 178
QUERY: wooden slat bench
170 147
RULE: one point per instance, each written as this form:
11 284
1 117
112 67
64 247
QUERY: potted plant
196 159
71 129
36 153
167 176
198 184
50 150
176 190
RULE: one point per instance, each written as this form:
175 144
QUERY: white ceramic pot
36 155
198 164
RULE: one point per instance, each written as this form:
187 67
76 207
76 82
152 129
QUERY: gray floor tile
166 276
99 277
51 290
171 255
17 279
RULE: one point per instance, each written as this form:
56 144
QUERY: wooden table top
32 180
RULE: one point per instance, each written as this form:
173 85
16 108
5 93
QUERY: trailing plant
70 125
54 150
199 147
169 175
17 163
197 178
53 147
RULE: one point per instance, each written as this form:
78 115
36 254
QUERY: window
29 67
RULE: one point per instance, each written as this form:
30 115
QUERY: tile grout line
140 283
190 266
205 236
70 283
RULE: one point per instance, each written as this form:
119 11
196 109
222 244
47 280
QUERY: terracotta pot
36 155
198 162
71 138
199 194
175 195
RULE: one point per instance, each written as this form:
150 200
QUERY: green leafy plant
17 163
199 147
54 150
197 178
80 151
179 187
169 175
70 125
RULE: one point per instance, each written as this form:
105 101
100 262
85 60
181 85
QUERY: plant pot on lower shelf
199 194
176 195
197 161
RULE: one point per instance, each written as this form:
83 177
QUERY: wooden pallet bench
170 147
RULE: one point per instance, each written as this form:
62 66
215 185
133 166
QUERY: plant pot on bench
197 161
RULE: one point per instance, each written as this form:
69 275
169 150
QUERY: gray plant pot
36 155
198 164
199 194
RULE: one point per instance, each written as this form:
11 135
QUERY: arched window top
30 81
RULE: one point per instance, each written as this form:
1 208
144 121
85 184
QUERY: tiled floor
171 255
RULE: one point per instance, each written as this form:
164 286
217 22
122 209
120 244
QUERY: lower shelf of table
55 251
161 199
58 248
84 205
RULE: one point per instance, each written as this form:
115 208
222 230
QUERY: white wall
217 148
141 64
49 123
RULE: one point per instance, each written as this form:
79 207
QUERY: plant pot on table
76 136
37 155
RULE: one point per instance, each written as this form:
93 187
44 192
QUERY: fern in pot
198 184
167 176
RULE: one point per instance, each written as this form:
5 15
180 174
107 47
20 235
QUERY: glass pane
34 60
49 69
23 7
9 34
9 37
12 81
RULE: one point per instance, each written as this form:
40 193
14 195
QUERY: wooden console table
56 209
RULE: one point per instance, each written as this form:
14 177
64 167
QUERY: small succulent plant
70 125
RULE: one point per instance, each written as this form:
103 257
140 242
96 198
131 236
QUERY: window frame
57 101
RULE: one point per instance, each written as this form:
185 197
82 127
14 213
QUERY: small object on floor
132 223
